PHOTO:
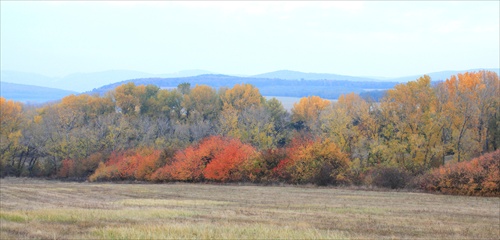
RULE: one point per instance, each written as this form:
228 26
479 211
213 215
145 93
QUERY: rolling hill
82 82
330 89
442 75
295 75
31 94
29 87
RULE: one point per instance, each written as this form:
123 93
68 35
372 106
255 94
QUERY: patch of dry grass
50 209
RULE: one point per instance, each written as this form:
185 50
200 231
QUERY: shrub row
305 160
221 159
480 177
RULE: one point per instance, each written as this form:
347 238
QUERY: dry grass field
60 210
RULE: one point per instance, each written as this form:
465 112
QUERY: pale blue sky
354 38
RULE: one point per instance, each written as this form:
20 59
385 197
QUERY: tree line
234 134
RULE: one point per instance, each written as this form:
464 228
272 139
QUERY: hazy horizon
382 39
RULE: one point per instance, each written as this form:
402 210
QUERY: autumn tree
11 120
202 103
317 161
412 126
489 118
280 119
127 99
350 124
306 112
471 104
169 104
241 97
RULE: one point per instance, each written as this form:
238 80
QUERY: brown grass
54 210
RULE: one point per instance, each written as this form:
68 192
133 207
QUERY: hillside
295 75
330 89
442 75
31 94
82 82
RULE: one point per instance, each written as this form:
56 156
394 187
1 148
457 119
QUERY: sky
384 38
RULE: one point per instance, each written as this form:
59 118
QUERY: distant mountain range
294 75
279 83
443 75
82 82
31 94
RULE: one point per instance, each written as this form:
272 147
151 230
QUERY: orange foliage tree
469 98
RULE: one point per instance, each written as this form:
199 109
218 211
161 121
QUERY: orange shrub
147 162
133 164
479 176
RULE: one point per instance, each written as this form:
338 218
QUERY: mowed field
67 210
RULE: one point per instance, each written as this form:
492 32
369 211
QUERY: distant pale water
289 101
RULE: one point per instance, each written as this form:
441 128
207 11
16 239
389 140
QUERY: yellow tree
202 103
11 118
241 97
470 97
235 101
127 99
350 125
489 118
412 125
307 111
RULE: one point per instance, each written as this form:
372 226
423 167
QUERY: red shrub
214 158
79 168
67 168
229 163
188 165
